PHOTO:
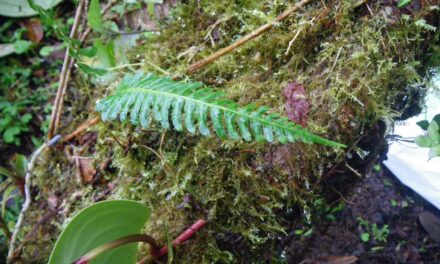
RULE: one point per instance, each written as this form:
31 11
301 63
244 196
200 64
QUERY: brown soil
379 199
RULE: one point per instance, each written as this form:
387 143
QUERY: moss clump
355 62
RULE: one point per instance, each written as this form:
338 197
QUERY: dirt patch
379 200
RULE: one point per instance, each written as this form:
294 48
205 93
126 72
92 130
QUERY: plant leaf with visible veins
98 224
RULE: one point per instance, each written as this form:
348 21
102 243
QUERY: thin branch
291 42
64 71
27 192
83 127
337 58
67 69
196 66
353 170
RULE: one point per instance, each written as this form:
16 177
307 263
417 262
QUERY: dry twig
67 69
83 127
27 192
64 71
196 66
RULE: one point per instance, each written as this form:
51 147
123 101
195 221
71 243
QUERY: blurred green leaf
434 152
91 71
424 141
433 132
94 16
365 237
99 224
5 172
308 233
105 53
151 10
88 52
26 118
45 17
21 46
437 119
20 165
403 3
10 134
46 51
6 196
423 124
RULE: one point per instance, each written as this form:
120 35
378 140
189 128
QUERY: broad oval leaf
98 224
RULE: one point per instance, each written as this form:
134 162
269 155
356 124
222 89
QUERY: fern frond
190 105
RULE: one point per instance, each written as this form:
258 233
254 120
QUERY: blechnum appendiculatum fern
191 105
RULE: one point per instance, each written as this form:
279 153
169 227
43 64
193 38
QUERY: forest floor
380 224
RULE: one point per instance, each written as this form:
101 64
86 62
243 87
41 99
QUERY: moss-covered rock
360 63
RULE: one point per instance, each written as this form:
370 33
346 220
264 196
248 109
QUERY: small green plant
372 231
103 49
432 137
365 237
14 122
304 232
146 97
362 222
377 167
380 234
332 211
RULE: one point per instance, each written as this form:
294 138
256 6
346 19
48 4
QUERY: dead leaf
297 106
431 223
86 169
52 201
34 30
38 73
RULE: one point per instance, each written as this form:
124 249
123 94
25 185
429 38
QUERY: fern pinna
191 105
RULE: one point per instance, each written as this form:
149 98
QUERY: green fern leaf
142 99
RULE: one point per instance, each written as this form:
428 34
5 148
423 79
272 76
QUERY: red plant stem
182 238
117 243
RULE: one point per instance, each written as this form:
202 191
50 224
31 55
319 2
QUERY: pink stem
182 238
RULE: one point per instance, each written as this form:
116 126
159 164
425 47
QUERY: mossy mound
356 60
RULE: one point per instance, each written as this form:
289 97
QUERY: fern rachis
150 97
